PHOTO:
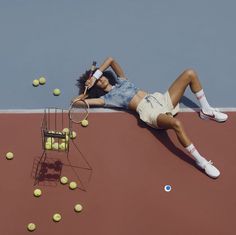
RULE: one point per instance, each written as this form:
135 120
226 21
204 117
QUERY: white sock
193 151
202 99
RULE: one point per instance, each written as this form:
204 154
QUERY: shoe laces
210 162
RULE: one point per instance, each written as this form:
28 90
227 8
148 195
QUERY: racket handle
85 91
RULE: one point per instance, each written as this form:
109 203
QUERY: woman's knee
190 74
176 124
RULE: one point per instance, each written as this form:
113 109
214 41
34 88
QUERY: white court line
101 110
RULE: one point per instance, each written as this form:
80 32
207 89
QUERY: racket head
78 110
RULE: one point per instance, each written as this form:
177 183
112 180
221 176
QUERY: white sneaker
210 170
213 114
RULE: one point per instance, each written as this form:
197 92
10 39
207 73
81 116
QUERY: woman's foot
213 114
210 170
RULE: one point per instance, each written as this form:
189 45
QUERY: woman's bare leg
178 87
168 122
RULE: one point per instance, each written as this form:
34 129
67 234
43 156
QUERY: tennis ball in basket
73 135
56 92
31 227
48 145
63 146
84 123
55 146
50 140
35 82
9 156
42 80
66 139
66 130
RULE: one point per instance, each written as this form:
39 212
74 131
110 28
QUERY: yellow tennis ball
37 192
66 139
56 217
9 156
63 146
31 227
42 80
55 146
35 82
48 146
78 208
64 180
73 135
56 92
66 130
73 185
50 140
84 123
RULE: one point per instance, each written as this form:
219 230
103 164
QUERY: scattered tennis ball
78 208
64 180
56 92
84 123
66 130
37 192
55 146
35 82
9 156
31 227
42 80
56 217
73 185
48 146
73 135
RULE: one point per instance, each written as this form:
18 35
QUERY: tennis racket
79 108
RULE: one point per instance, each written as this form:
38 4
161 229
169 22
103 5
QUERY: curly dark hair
95 91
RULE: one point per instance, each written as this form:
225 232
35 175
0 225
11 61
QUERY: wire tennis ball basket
58 141
55 130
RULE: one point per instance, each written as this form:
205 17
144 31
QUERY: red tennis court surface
125 193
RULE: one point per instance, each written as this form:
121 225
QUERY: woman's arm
114 65
107 63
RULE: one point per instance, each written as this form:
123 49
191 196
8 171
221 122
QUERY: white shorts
152 105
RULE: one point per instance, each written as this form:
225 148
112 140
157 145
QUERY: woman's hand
90 82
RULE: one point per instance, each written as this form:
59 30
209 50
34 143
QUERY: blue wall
154 41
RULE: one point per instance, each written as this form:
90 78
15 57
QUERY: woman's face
103 82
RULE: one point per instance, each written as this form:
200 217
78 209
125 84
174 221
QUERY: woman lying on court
157 110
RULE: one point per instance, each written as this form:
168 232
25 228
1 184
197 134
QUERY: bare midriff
133 104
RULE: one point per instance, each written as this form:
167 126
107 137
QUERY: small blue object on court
167 188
